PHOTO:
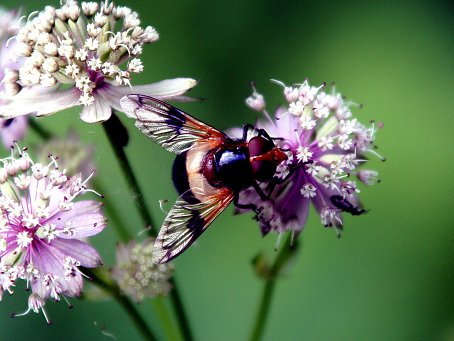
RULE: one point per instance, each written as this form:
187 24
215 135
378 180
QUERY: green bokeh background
391 275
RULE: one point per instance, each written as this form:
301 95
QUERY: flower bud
256 102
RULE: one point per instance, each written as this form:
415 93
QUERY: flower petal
165 89
84 253
85 217
39 101
99 111
13 130
49 259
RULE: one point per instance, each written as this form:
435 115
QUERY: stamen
20 19
30 16
127 49
88 178
146 229
267 116
278 82
292 238
85 189
278 241
13 315
49 322
283 115
9 39
161 203
54 161
298 137
70 306
109 32
376 154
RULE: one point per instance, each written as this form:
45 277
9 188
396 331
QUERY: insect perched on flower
209 172
325 145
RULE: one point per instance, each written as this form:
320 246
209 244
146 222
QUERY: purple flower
325 144
137 275
13 129
83 55
42 228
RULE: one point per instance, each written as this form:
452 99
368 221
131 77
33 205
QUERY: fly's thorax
231 167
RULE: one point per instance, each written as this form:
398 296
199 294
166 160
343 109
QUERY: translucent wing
185 222
168 126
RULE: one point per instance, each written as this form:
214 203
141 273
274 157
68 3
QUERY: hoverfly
209 172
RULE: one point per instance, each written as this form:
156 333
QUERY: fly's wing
185 222
168 126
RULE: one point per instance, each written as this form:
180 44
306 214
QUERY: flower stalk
38 129
281 260
108 286
111 127
180 312
167 323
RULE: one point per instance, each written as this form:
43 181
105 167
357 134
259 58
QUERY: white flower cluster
137 275
82 45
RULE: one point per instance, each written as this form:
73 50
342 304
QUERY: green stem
268 290
180 311
167 322
130 308
119 224
37 128
128 172
118 143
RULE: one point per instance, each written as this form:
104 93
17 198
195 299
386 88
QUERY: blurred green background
390 277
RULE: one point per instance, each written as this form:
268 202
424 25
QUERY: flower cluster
137 275
42 229
10 129
75 55
324 144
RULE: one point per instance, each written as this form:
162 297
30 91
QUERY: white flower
308 191
62 48
12 130
325 143
306 122
296 108
303 154
256 101
137 275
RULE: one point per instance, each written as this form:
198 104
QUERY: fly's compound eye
263 165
